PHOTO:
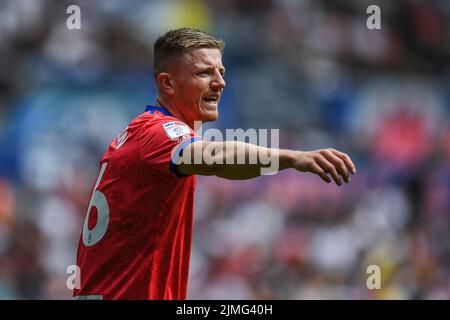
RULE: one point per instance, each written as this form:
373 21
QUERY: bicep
195 158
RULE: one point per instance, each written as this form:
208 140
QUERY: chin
214 117
210 116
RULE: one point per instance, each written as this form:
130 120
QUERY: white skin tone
192 86
190 90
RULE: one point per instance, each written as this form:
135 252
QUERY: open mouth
211 100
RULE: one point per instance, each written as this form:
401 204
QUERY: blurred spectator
311 69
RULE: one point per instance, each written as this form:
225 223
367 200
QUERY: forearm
238 160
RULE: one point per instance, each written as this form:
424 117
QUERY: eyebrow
207 67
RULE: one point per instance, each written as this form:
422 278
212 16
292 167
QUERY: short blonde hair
175 42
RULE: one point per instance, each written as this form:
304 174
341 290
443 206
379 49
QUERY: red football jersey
137 233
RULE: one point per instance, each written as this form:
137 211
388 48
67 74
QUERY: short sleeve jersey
137 233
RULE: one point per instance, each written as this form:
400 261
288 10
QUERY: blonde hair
175 42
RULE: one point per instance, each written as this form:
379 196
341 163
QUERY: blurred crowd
309 68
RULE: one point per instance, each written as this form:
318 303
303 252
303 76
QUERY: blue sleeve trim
172 165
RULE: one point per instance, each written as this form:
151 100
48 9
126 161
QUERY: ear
165 83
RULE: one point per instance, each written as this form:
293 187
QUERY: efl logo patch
186 136
174 130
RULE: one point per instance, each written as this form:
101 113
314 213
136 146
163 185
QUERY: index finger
348 162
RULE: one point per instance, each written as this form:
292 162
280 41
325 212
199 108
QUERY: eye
203 73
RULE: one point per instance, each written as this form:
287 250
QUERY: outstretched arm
238 161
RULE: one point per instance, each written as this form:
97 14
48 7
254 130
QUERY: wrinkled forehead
203 57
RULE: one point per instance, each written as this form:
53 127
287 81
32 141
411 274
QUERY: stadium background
311 69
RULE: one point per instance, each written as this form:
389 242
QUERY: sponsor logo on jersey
174 130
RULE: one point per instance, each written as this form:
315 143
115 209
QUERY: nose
218 83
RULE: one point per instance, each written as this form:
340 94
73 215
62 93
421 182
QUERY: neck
173 111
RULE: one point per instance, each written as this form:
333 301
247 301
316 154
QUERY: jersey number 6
98 200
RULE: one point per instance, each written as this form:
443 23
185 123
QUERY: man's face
198 84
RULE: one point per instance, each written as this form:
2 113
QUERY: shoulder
174 128
157 130
167 126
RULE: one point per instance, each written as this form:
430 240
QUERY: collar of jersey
160 109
